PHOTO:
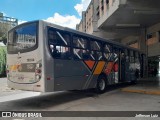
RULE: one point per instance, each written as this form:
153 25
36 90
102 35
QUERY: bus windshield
22 39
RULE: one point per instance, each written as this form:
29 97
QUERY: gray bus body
80 59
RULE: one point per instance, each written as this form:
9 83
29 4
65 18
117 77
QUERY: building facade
8 20
6 23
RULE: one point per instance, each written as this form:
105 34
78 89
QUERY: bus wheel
101 84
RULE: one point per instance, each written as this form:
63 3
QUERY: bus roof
83 34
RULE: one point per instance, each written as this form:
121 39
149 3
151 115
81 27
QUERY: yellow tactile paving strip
150 91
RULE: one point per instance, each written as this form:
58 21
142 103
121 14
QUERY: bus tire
101 84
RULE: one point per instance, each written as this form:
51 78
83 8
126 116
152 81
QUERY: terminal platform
149 85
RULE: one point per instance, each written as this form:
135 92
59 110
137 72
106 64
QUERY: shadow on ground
54 99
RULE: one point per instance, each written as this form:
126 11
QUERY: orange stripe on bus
99 67
90 64
14 67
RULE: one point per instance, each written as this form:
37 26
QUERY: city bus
46 57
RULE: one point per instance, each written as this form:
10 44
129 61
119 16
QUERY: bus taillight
38 71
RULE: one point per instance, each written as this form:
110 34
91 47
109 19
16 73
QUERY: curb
151 92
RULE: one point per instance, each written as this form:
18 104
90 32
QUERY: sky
61 12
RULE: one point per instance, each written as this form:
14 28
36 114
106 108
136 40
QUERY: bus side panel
92 82
48 76
70 74
47 62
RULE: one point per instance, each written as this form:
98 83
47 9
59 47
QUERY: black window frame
88 47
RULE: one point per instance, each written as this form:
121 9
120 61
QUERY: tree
2 61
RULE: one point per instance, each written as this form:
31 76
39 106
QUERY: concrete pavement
4 90
8 94
145 86
112 100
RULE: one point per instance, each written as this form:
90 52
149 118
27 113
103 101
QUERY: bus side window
52 37
115 54
127 55
80 50
96 50
86 55
65 52
107 52
122 56
54 51
59 43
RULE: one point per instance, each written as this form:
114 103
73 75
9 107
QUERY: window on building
133 44
102 8
102 1
151 39
97 8
149 36
107 1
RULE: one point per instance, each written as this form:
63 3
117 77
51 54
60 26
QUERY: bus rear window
22 39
